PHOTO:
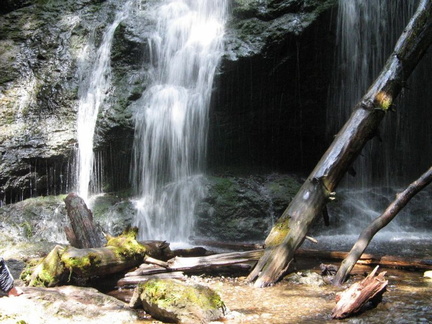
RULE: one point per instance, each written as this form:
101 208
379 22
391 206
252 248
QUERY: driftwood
135 280
385 261
83 232
368 233
290 230
241 261
353 299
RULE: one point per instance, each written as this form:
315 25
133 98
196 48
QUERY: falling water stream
92 92
171 116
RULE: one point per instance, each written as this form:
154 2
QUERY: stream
407 299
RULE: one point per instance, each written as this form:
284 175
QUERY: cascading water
171 116
92 93
366 34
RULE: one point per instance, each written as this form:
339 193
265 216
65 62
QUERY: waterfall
92 92
366 34
171 116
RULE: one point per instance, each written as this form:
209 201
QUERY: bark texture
353 299
83 232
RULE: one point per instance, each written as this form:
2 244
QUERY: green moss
165 292
126 244
46 273
28 229
82 263
278 233
383 100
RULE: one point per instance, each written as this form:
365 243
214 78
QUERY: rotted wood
83 232
368 233
353 299
290 230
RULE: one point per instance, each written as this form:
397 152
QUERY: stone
66 304
171 300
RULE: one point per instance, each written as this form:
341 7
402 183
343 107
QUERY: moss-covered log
290 231
63 263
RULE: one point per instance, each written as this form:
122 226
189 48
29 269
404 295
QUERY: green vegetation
126 245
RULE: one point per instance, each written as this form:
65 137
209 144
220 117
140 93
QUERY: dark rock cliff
267 109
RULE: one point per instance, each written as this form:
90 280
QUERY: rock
256 101
306 278
240 208
174 301
66 304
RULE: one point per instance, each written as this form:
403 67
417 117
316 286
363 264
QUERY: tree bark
290 230
83 232
368 233
352 300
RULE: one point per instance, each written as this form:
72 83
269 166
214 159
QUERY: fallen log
65 264
246 259
216 260
353 299
386 261
134 280
368 233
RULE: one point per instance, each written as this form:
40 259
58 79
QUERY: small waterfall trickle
171 116
92 93
366 34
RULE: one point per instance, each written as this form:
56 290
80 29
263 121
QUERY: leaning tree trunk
368 233
290 230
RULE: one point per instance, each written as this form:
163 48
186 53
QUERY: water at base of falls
171 116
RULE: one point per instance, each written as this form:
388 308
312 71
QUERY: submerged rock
173 301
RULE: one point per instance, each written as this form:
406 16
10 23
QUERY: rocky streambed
246 207
301 297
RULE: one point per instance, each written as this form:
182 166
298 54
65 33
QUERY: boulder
66 304
171 301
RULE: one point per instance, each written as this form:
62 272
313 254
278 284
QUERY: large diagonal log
290 230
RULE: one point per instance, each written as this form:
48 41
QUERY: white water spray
171 116
92 95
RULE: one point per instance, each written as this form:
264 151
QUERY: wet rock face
43 45
11 5
269 100
266 108
243 208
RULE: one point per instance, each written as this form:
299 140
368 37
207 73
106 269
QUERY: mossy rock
173 301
